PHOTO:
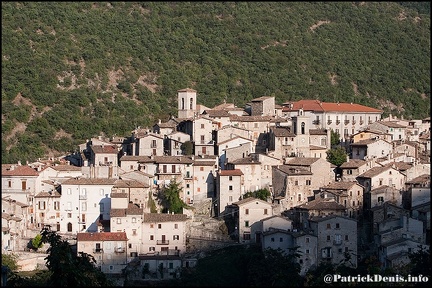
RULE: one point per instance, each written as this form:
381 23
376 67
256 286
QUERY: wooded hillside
74 70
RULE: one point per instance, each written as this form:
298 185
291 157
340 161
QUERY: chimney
19 163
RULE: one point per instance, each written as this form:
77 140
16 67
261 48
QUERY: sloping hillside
75 70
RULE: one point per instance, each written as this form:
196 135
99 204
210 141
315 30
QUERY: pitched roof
90 181
318 106
245 161
217 113
374 171
173 159
234 172
120 183
251 118
47 194
102 236
249 200
353 163
341 185
321 204
317 132
132 209
301 161
186 90
282 132
162 217
65 168
112 149
293 170
391 124
422 179
18 170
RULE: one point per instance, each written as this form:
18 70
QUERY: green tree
334 138
187 148
337 156
37 242
68 269
262 194
11 261
151 203
170 196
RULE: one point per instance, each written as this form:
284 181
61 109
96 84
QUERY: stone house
202 183
158 267
174 141
352 168
281 142
263 106
348 194
108 248
163 234
228 132
297 180
368 134
232 149
268 223
203 135
336 237
247 214
251 168
47 210
229 188
137 192
397 131
103 162
417 191
221 116
19 182
84 202
165 128
15 217
370 148
146 143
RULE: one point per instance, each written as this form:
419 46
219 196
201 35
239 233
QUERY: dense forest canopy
75 70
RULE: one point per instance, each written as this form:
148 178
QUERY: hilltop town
105 197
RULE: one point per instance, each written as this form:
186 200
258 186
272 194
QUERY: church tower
186 102
301 129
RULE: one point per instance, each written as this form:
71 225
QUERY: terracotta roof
364 142
251 118
292 170
321 204
162 217
317 132
132 209
217 113
102 236
47 194
316 105
173 159
341 185
232 139
422 179
129 184
234 172
301 161
119 195
14 201
374 171
382 188
89 181
313 147
65 168
282 132
18 170
112 149
353 163
260 99
204 163
245 161
329 217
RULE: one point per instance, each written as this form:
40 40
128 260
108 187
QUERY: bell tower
186 102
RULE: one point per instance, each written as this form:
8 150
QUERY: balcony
106 163
337 122
162 242
347 122
361 122
329 122
316 122
354 122
98 250
82 197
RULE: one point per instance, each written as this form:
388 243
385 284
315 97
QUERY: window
230 178
299 197
296 182
151 225
118 220
246 236
230 188
230 199
176 237
151 237
349 172
337 226
152 249
101 192
173 169
56 205
69 215
246 211
159 226
328 226
338 239
201 168
272 239
134 232
280 239
175 226
153 144
41 205
202 126
246 223
265 212
69 191
9 183
202 139
307 239
307 251
328 237
346 237
133 220
308 182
